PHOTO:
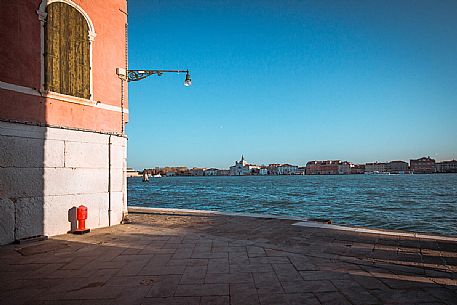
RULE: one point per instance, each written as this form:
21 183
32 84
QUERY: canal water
419 203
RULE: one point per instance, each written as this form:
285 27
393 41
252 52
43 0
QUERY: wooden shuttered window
67 51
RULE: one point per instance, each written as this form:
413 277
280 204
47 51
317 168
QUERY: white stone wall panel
56 211
76 136
7 221
30 152
44 172
117 209
21 152
22 130
54 153
86 155
21 182
118 155
117 180
120 141
72 181
29 217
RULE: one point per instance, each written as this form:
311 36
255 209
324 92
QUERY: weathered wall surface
46 171
57 151
20 64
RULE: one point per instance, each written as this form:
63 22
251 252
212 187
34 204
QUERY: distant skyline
292 81
272 162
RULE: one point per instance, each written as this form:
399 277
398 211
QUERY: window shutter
67 51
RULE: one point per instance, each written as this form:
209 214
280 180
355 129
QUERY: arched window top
42 13
67 50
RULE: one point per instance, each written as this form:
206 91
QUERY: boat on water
157 176
377 173
145 177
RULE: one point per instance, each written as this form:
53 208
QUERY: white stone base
45 172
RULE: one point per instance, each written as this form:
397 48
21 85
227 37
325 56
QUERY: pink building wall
20 64
59 151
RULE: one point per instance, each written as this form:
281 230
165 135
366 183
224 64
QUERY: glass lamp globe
188 81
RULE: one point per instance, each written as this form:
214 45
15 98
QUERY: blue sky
292 81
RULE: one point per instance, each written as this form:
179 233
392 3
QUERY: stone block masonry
45 171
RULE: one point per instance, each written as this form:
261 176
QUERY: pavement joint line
303 222
310 224
360 262
145 210
342 274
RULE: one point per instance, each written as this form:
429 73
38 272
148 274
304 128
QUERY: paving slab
179 257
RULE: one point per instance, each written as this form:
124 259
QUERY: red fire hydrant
81 216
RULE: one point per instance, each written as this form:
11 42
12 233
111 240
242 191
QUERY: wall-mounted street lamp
136 75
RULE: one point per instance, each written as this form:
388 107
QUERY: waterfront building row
422 165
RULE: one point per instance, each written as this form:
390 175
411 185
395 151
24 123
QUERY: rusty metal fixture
136 75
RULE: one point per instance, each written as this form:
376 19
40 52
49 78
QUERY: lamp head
188 81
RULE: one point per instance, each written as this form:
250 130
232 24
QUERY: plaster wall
47 171
21 61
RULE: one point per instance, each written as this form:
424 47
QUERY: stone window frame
42 17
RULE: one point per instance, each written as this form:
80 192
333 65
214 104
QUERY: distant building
446 167
132 173
358 169
223 172
163 171
263 171
211 172
344 168
313 167
180 170
254 170
375 167
424 165
273 168
328 167
242 168
287 169
397 167
196 171
301 170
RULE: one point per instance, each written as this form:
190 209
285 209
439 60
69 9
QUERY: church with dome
242 168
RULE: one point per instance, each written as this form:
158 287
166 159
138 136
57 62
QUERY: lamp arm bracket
136 75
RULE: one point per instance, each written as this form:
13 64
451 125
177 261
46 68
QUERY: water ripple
420 203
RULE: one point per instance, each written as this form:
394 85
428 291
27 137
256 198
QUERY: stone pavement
185 258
